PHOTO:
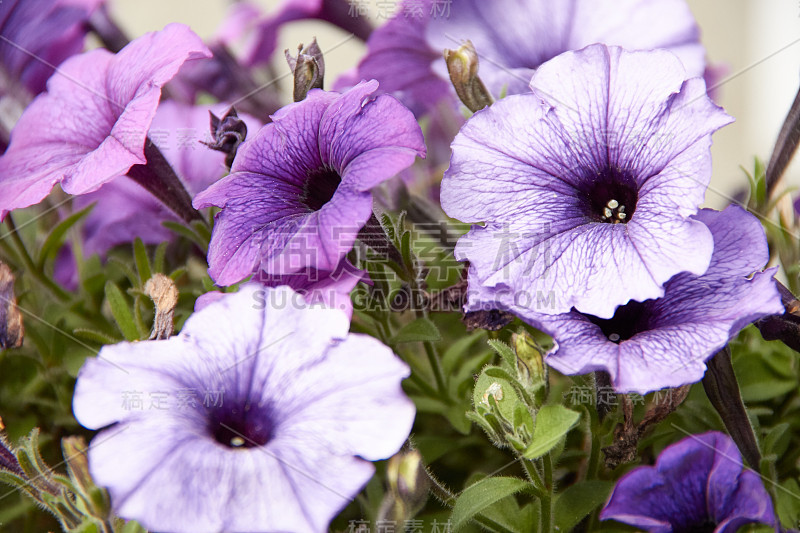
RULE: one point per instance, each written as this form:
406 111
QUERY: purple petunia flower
651 345
35 37
91 124
299 190
586 186
124 210
514 38
697 484
262 415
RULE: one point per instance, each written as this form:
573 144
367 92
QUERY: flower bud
11 328
462 64
161 289
408 486
228 133
308 69
530 364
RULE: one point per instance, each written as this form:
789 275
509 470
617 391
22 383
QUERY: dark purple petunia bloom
35 37
262 415
586 186
651 345
91 124
299 190
696 485
514 38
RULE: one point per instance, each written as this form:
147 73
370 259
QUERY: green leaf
94 336
505 351
777 440
420 330
132 527
575 503
186 232
121 311
142 261
55 240
88 526
498 388
552 423
158 258
483 494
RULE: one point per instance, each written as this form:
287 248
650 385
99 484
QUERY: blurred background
756 41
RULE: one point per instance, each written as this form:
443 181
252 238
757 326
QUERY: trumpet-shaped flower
299 190
263 414
586 187
697 484
91 124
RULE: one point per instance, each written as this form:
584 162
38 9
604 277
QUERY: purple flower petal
604 127
35 37
405 53
665 342
314 403
696 483
298 192
90 125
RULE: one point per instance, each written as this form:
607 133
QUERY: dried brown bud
462 64
162 290
11 328
308 69
228 133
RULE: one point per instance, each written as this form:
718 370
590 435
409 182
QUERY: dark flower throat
240 428
319 187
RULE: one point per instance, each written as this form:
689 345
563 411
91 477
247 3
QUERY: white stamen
621 209
613 204
613 337
621 216
237 442
607 212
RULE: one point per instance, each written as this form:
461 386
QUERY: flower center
240 428
612 197
628 320
319 187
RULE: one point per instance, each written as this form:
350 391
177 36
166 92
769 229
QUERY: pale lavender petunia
267 414
91 124
697 484
514 38
651 345
586 186
299 190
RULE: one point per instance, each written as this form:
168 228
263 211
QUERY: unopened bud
408 485
462 65
162 290
11 328
228 133
531 369
308 69
8 461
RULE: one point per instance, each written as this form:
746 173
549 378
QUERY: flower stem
60 293
547 496
159 178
